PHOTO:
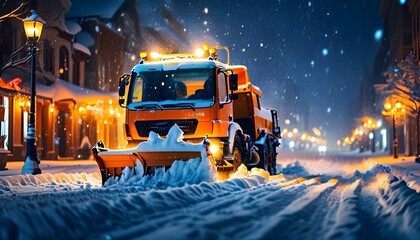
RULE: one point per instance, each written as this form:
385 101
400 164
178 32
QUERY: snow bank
243 172
48 182
400 205
376 169
412 180
125 212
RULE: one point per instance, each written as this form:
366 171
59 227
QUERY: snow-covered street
330 197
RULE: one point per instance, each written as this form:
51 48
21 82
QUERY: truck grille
162 127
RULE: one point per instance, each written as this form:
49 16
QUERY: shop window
25 119
63 67
4 122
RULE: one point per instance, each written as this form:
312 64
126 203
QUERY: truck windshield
181 88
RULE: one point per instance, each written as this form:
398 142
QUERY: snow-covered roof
102 8
81 48
85 38
62 90
72 27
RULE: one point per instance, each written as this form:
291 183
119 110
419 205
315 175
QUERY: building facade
71 105
401 35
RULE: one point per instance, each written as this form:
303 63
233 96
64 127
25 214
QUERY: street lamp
392 110
33 29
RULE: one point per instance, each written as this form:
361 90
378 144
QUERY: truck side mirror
124 80
233 82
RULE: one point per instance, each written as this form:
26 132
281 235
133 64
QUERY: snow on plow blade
112 162
155 152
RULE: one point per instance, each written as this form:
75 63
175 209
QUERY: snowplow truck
206 99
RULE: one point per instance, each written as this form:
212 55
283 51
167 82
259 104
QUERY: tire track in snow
347 222
121 210
228 216
390 209
292 214
399 201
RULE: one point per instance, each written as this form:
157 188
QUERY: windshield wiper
149 106
182 105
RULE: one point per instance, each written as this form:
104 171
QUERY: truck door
225 106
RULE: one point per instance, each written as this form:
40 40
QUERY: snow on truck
206 99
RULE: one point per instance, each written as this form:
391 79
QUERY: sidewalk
407 162
90 166
54 166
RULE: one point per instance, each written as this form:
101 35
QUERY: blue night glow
378 35
325 52
402 2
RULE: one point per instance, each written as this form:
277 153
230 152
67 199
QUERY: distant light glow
384 139
341 51
402 2
378 35
206 10
328 110
312 63
291 144
309 4
325 52
322 148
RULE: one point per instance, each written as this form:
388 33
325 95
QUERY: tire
272 161
264 157
236 154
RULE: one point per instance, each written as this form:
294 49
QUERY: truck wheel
237 154
264 157
272 161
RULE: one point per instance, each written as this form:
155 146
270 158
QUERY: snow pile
293 170
413 181
400 206
126 212
173 142
48 182
376 169
243 172
192 171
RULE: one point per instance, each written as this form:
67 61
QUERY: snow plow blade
112 162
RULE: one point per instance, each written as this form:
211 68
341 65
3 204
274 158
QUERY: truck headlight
214 149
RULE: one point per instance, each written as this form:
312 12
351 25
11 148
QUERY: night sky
308 57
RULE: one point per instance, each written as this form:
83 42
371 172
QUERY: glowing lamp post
371 125
392 110
33 29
